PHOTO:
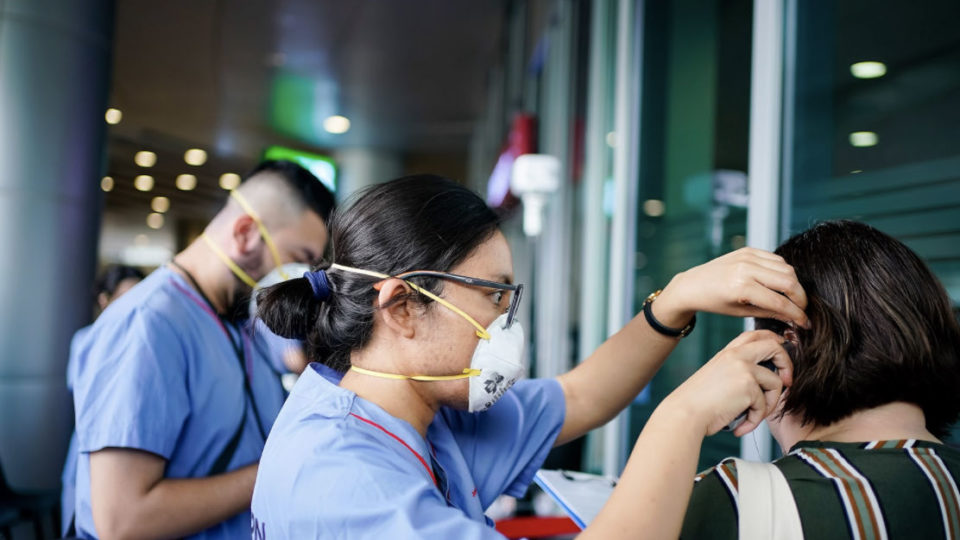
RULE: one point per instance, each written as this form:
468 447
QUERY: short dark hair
112 276
882 328
420 222
307 187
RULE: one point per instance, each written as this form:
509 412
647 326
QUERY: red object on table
536 527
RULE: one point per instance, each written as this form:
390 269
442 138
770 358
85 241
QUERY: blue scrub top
68 479
338 466
158 373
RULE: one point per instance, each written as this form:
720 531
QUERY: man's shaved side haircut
305 190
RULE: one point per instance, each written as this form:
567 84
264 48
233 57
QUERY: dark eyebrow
502 278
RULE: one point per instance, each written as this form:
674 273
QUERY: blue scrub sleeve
368 494
132 393
75 345
272 346
506 445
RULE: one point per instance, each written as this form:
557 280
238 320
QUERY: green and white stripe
886 445
944 486
863 513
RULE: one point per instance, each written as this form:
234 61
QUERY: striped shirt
861 491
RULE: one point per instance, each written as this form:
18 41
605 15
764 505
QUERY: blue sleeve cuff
553 413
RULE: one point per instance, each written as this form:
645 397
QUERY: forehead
491 260
307 231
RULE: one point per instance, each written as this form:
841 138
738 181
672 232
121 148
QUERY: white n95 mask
498 360
494 368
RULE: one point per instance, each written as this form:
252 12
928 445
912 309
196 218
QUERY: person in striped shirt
876 386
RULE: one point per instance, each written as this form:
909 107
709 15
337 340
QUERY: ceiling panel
235 77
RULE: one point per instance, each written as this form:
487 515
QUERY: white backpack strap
767 508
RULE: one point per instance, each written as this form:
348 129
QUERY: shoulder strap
766 504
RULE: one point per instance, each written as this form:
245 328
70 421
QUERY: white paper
581 495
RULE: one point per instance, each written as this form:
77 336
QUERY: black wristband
660 328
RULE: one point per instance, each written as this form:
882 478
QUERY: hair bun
289 308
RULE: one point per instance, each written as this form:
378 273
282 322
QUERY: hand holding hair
733 381
748 282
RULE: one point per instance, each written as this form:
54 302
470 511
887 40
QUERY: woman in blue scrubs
409 423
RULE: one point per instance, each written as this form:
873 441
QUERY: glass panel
693 154
877 141
595 198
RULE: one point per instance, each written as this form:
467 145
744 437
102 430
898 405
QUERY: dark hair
112 276
307 187
420 222
882 328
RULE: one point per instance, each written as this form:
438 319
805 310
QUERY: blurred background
684 129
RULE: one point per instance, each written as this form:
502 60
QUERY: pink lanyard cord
401 441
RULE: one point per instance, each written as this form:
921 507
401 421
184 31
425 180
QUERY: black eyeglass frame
517 289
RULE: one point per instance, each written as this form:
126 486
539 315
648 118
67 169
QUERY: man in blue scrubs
175 392
116 280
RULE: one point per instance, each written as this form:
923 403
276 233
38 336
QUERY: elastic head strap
481 331
237 271
267 239
467 372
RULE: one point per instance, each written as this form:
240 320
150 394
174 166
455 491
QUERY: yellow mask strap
237 271
481 331
468 372
267 239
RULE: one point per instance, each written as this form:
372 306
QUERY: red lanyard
241 351
405 445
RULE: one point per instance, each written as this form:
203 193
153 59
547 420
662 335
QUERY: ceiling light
868 70
336 124
186 182
856 171
653 207
155 221
863 139
229 181
160 204
113 116
195 157
145 158
106 183
143 182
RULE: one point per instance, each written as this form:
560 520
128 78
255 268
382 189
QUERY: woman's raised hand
733 382
748 282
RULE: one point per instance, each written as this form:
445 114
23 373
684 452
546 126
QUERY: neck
892 421
212 277
399 398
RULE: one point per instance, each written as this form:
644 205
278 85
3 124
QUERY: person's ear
395 310
245 239
103 301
